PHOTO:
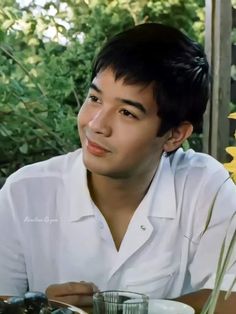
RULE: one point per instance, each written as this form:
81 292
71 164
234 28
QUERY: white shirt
51 231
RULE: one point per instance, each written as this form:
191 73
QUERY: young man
129 210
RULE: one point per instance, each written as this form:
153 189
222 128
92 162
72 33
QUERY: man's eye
93 98
127 113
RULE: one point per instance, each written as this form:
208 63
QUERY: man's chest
148 260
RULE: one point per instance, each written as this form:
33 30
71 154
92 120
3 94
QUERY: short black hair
161 55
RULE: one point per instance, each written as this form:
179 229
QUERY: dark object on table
6 308
31 303
20 301
35 301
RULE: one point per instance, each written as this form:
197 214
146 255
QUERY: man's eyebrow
93 86
125 101
135 104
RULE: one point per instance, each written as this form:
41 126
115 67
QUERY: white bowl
168 307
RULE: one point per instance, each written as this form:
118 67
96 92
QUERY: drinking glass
120 302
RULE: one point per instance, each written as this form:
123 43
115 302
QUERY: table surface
88 310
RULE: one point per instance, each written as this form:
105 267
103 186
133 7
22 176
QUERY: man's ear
177 136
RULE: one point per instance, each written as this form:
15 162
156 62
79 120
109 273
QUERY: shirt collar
79 201
160 201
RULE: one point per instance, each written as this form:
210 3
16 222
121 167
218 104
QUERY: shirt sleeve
222 225
13 277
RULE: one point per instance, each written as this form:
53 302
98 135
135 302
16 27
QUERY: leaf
2 35
232 115
231 150
33 42
231 166
17 87
7 24
33 59
24 148
4 108
223 263
185 145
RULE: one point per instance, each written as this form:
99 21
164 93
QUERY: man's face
118 126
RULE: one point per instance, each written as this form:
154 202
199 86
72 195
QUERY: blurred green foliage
45 61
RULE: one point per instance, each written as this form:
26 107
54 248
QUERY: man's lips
96 149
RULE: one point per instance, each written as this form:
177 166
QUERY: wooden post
218 50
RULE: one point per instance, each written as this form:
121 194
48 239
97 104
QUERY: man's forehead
127 79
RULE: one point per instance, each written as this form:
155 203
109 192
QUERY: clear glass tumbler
120 302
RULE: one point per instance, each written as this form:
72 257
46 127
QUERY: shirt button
142 227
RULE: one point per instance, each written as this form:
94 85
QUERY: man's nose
101 123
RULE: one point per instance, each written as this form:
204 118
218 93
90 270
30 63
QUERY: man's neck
113 195
117 199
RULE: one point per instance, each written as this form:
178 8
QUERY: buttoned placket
104 230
